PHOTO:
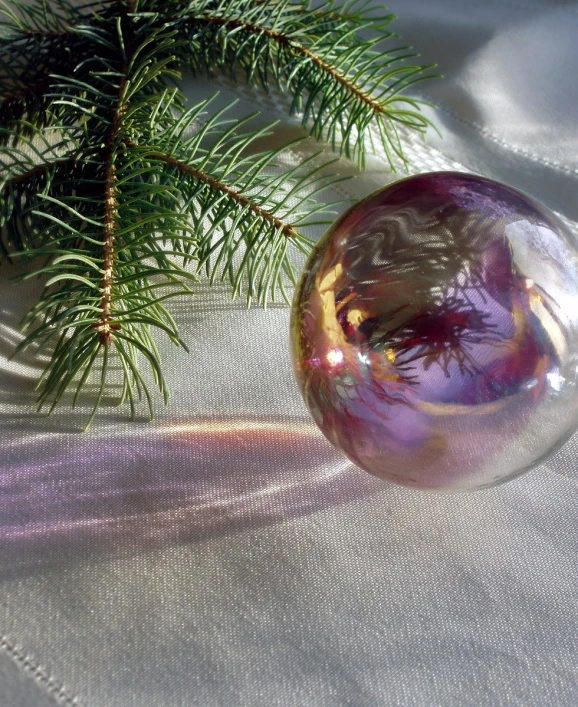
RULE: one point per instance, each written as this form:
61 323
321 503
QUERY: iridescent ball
434 333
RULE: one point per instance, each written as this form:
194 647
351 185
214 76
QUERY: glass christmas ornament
434 333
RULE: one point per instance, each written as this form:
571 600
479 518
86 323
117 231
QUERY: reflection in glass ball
434 333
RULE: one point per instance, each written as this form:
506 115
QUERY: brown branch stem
48 34
105 326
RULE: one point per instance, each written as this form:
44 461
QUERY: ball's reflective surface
434 333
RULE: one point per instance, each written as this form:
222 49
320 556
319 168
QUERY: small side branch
48 34
286 228
35 171
21 93
287 43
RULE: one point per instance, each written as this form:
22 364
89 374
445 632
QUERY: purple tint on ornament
434 333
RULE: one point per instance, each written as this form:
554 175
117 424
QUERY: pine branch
285 43
342 83
203 177
234 200
119 196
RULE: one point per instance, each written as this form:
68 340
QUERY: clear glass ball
434 333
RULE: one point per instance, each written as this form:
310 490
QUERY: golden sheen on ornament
434 333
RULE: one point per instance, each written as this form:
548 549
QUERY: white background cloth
226 554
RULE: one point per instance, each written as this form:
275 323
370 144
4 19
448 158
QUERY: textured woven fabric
226 554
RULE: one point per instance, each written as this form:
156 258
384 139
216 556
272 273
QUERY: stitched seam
243 91
54 688
539 8
558 166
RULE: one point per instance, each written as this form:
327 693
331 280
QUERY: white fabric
226 554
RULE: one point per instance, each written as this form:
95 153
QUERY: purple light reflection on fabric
177 483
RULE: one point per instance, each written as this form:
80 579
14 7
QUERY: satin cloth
226 554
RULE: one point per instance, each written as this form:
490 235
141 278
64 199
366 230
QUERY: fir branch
233 201
119 196
286 43
205 178
343 84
